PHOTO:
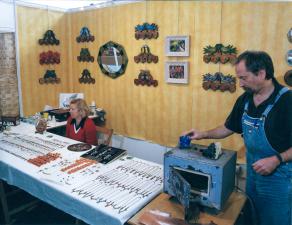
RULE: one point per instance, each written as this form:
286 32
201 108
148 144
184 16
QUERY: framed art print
177 46
176 72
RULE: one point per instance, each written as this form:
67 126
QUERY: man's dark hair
256 61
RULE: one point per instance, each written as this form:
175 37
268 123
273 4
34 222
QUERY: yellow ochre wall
158 114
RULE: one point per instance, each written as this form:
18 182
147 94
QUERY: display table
95 193
163 203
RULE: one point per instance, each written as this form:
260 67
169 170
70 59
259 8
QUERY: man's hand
194 134
266 166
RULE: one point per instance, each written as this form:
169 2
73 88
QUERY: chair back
104 135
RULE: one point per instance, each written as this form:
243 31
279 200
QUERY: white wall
7 18
140 149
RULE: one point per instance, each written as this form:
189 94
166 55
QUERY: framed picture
66 98
176 72
177 46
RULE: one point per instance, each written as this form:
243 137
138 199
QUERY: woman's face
74 111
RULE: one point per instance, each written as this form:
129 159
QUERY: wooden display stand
227 216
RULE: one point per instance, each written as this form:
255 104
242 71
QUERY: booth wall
158 114
32 24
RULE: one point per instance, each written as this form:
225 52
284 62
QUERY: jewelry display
126 185
220 54
219 81
50 77
28 147
65 171
44 159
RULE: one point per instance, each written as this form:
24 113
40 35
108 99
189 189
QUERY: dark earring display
288 78
49 39
218 81
289 35
86 77
49 57
146 31
145 56
50 77
220 54
145 78
85 35
85 56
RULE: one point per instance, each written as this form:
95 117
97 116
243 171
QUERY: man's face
247 80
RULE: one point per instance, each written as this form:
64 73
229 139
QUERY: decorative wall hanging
177 46
86 77
289 57
112 59
49 39
85 35
145 78
176 72
218 81
146 31
145 56
220 53
289 35
85 56
49 57
288 78
50 77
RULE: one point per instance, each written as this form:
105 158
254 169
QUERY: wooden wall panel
32 24
159 114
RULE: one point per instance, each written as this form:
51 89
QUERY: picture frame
177 45
176 72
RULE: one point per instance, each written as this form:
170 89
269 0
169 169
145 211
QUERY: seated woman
79 127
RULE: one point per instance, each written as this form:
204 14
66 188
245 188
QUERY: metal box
188 175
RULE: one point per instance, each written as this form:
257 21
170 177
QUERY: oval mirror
289 57
112 59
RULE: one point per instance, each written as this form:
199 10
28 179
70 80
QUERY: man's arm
216 133
268 165
287 155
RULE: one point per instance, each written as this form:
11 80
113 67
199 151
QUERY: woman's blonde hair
81 106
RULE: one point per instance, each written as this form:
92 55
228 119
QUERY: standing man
263 115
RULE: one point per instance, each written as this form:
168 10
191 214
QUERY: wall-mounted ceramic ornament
146 31
289 57
288 78
145 78
289 35
112 59
50 77
145 56
49 57
86 77
220 53
49 39
85 35
85 56
218 81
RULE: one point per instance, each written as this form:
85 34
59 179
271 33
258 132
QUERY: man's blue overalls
271 194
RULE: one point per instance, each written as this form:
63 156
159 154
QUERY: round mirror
289 57
112 59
